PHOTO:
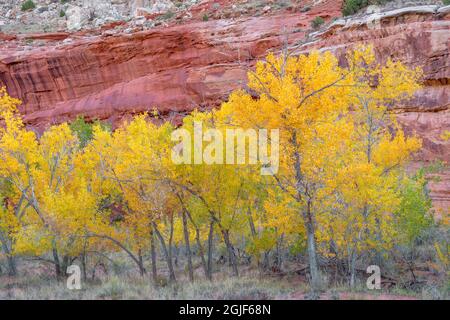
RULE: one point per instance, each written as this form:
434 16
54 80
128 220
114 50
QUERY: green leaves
84 130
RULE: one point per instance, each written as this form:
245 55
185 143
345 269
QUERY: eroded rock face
174 68
420 37
197 64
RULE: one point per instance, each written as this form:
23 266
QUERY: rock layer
420 37
195 65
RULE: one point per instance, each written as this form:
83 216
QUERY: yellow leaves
58 142
349 158
8 105
445 136
391 152
9 223
397 82
338 160
32 240
443 256
70 211
362 56
293 91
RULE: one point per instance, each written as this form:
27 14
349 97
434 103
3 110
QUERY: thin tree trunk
202 258
84 261
57 263
12 266
254 234
266 261
279 254
202 254
188 246
121 246
312 251
142 270
231 253
302 190
210 249
166 253
172 272
200 246
353 269
65 264
176 255
153 254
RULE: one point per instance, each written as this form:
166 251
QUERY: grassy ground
120 280
243 288
137 288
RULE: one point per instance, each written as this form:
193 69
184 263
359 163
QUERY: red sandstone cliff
196 65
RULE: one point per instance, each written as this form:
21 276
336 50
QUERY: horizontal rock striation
420 37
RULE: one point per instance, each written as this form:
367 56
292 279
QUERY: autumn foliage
342 194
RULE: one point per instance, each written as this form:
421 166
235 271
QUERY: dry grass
130 288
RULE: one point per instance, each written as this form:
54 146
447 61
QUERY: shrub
28 5
446 2
62 14
414 212
353 6
205 17
317 22
168 15
84 130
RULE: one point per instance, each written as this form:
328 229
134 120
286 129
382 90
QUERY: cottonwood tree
326 112
304 97
52 205
127 170
370 167
214 192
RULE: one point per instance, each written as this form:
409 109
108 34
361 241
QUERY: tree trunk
231 253
65 264
254 234
171 269
205 265
83 259
142 270
57 263
302 191
210 249
279 253
12 266
266 261
202 253
188 246
153 254
312 252
353 270
167 253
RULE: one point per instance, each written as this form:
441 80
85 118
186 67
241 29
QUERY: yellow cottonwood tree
309 98
52 204
127 169
370 169
215 193
304 97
